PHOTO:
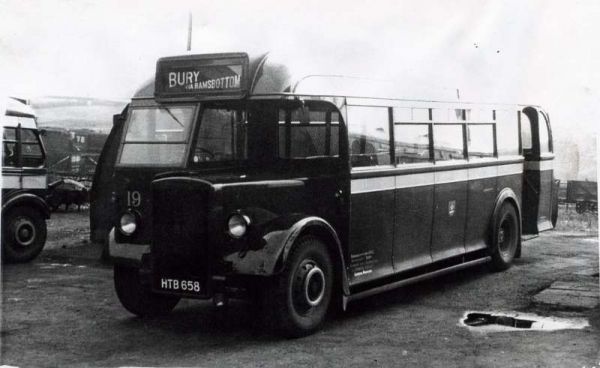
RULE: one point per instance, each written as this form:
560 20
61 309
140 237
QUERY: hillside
76 112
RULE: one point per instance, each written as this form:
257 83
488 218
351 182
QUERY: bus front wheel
137 299
303 291
506 238
23 234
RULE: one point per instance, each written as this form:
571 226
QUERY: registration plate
189 286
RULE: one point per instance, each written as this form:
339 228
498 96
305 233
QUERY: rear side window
369 136
526 139
448 142
480 140
544 136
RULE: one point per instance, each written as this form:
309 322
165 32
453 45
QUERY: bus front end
212 187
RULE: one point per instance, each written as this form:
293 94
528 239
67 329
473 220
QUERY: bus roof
270 75
18 112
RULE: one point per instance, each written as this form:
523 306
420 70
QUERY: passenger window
309 136
411 143
507 133
544 137
369 136
448 142
480 140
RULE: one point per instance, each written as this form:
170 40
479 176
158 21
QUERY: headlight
237 225
128 223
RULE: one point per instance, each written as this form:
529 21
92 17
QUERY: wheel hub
314 286
24 231
309 286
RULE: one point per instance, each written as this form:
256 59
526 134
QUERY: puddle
515 321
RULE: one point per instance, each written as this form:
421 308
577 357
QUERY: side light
127 224
237 225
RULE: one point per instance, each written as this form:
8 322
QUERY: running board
412 280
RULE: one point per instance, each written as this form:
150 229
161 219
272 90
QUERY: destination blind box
202 77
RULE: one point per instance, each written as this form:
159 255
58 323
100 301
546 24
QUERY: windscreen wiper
174 117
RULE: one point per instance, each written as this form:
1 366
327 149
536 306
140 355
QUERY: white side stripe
381 183
29 182
511 169
451 176
414 180
372 184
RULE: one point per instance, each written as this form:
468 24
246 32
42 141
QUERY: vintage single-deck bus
24 209
226 177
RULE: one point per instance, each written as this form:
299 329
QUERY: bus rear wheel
303 291
136 298
506 238
23 234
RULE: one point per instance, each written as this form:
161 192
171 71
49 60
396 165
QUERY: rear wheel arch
506 196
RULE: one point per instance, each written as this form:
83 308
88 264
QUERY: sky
540 52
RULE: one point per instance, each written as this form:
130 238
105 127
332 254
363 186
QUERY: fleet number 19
134 198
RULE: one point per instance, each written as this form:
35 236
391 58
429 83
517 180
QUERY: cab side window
309 132
9 143
369 136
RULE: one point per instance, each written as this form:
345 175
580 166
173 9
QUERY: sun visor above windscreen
202 77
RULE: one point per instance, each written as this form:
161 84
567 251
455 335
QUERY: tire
23 234
505 240
137 299
302 293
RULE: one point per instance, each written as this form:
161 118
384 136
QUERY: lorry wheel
506 238
137 299
302 292
23 234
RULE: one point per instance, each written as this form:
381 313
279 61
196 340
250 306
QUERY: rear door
536 140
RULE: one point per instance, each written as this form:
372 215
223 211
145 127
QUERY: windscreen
157 136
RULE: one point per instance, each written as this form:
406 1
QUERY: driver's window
222 136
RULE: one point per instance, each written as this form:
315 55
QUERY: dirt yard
61 310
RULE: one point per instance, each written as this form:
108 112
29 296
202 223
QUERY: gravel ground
61 310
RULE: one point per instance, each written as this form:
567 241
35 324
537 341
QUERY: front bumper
126 252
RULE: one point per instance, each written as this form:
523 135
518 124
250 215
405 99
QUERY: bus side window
507 133
9 142
480 140
369 136
526 139
448 142
411 143
31 149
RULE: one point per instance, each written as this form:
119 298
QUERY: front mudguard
269 259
